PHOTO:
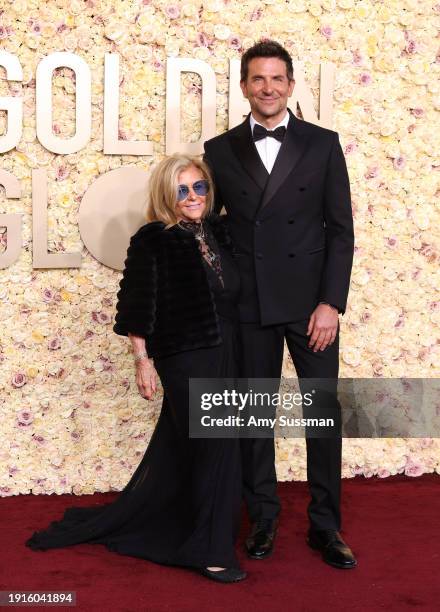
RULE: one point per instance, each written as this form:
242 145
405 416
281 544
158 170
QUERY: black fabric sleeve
339 230
136 306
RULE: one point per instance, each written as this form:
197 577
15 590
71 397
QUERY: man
285 187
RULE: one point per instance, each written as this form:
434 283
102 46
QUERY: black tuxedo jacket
293 229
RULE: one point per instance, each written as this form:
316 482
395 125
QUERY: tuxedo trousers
262 357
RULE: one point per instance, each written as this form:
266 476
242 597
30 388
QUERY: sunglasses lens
201 187
182 192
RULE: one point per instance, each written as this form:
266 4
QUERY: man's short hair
265 48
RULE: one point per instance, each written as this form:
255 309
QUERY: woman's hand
146 378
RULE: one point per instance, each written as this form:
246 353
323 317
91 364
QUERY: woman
177 303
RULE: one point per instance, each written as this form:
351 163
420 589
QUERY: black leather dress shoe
259 543
334 550
229 574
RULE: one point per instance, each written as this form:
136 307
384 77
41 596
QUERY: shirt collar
284 121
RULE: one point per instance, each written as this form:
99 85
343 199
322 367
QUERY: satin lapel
247 154
291 150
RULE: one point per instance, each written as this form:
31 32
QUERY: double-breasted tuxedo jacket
293 229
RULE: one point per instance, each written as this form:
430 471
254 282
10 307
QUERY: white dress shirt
268 147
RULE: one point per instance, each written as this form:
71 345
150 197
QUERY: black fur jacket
164 293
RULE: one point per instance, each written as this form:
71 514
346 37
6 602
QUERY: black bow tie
260 132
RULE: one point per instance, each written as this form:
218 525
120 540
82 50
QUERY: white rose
221 31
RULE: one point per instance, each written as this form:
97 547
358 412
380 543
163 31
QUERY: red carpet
392 525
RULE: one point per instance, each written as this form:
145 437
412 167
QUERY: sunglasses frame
204 181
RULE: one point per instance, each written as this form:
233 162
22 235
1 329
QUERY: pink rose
157 65
392 241
235 43
103 318
365 78
411 46
400 321
24 309
399 162
256 14
62 173
365 317
24 418
383 473
35 28
350 148
48 295
326 31
413 468
54 344
19 379
357 57
377 368
106 364
172 11
202 40
372 172
429 252
416 273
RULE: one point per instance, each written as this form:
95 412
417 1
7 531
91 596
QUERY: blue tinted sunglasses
201 188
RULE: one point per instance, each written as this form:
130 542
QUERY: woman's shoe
230 574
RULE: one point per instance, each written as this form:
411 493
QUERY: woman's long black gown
182 504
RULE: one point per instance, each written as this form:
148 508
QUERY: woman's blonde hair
163 186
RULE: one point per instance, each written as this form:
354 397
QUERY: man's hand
146 378
323 327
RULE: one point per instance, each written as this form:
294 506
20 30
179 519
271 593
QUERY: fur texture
164 293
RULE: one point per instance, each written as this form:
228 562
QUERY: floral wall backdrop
71 418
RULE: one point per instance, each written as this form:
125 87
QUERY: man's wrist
331 305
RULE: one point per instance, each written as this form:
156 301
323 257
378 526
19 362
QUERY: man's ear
243 88
291 86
